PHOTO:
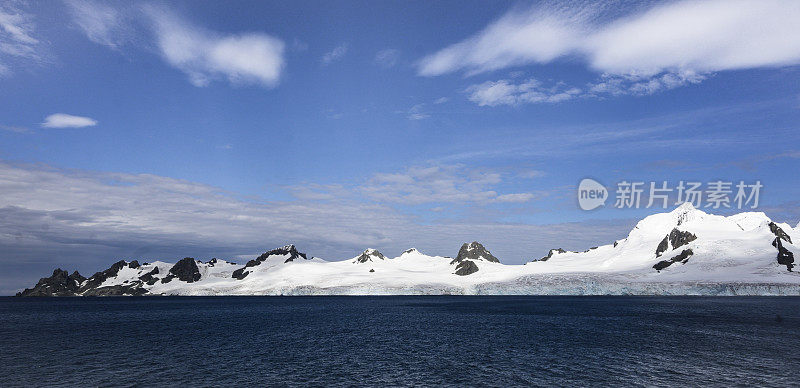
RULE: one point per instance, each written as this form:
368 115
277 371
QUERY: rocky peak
474 251
284 250
61 283
369 255
185 270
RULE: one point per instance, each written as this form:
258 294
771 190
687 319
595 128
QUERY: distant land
683 252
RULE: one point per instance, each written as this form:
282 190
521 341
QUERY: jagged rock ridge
474 251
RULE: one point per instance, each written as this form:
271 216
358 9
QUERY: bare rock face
779 233
59 284
98 278
150 277
551 253
662 246
474 251
466 267
680 238
676 238
369 255
290 250
682 257
785 256
185 270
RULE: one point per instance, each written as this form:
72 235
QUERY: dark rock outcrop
785 256
98 278
682 257
240 274
466 267
662 246
368 255
185 270
676 238
290 250
551 253
474 251
150 277
680 238
61 283
779 233
134 264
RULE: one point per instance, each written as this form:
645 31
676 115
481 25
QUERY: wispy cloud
677 37
17 38
533 91
12 128
387 58
100 22
417 112
334 55
438 184
505 92
249 58
63 120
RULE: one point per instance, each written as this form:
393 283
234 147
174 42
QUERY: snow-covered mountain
686 251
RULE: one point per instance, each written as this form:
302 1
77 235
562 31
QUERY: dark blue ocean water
380 341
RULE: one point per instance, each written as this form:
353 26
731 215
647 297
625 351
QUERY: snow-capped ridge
285 254
685 251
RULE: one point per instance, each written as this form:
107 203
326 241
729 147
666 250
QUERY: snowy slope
686 251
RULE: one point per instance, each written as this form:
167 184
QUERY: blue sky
149 129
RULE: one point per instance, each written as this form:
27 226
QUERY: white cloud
505 92
334 55
509 92
438 184
441 100
387 58
250 58
102 23
675 37
63 120
17 41
640 86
